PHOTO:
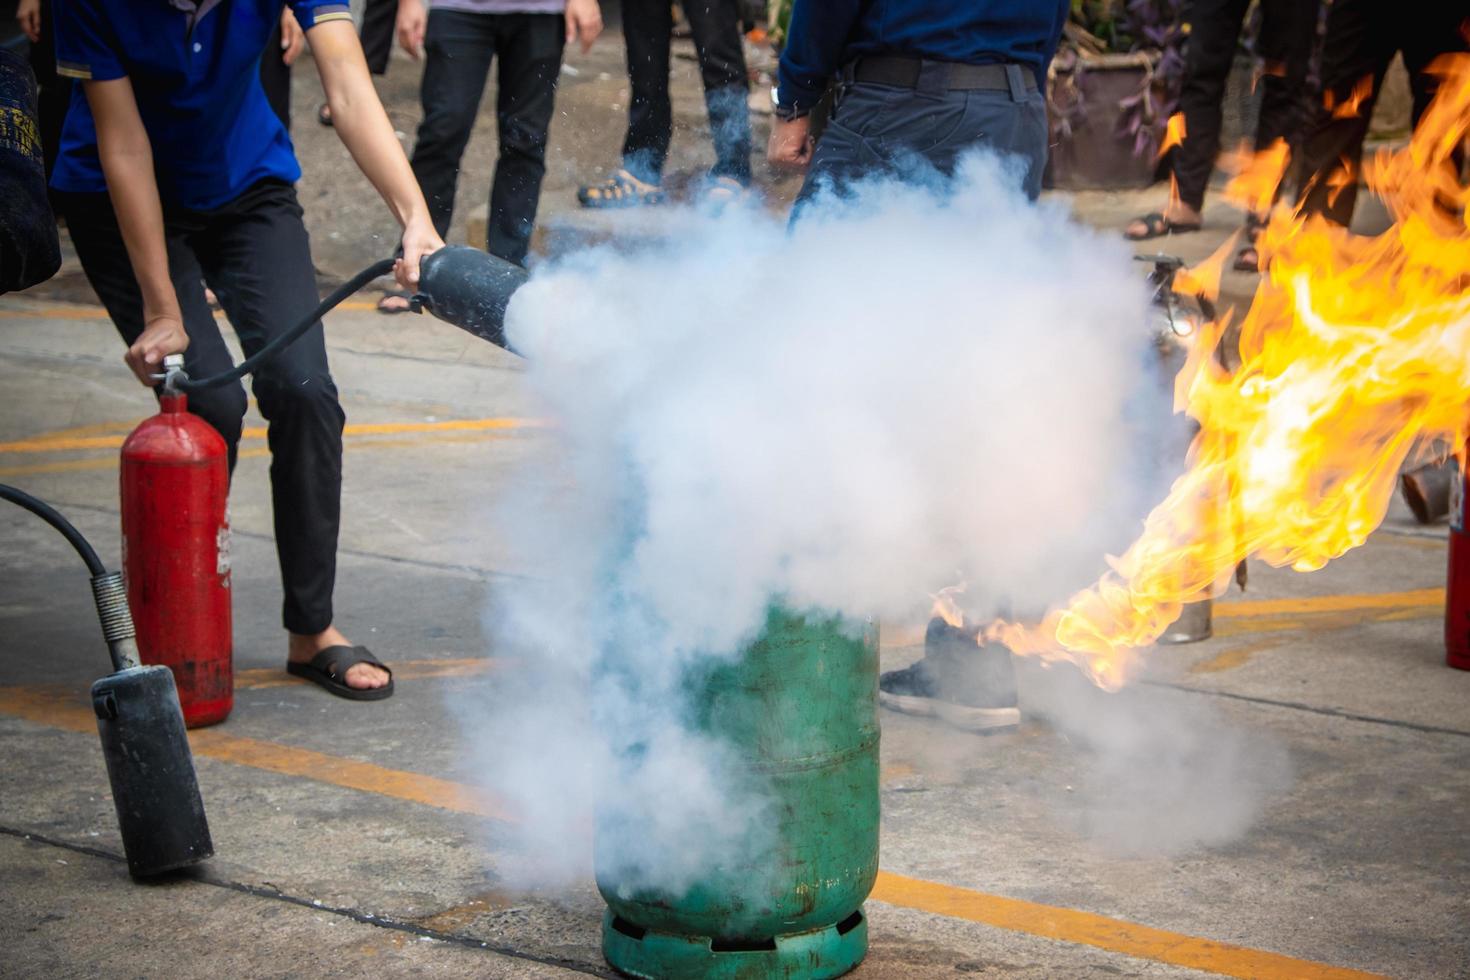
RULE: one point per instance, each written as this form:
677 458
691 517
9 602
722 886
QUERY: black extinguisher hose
108 590
380 268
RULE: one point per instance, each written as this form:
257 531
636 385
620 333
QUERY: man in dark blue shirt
921 81
916 78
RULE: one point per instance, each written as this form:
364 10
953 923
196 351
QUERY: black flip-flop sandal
324 115
1157 226
329 669
1248 259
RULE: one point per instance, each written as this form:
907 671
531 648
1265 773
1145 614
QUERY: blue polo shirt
195 72
827 34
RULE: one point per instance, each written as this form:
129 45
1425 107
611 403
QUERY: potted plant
1111 90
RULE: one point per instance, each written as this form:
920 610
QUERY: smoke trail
918 388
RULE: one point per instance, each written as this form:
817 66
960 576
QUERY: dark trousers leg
530 47
254 251
104 259
458 49
646 27
1362 38
872 133
378 18
1214 33
275 78
715 25
1288 28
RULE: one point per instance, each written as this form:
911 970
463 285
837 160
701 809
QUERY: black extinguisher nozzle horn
470 289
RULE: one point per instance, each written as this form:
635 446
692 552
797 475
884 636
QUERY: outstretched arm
360 121
127 163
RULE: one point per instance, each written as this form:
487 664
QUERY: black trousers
880 130
1284 43
378 20
254 254
459 48
715 24
1362 38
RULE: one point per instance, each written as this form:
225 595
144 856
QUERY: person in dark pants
460 39
647 26
1362 38
1285 45
948 77
186 179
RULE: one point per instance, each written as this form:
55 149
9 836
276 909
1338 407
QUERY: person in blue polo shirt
915 78
175 172
921 80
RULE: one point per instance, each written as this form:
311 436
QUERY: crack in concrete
1313 709
356 915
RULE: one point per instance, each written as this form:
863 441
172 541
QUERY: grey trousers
880 130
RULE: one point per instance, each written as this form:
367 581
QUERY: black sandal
324 114
329 669
1157 226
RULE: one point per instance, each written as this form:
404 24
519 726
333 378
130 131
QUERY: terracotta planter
1089 149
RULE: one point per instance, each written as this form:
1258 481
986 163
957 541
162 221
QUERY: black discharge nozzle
154 788
470 289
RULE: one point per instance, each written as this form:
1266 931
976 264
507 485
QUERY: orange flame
1174 134
1354 350
1350 107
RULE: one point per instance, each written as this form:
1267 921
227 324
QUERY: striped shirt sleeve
310 13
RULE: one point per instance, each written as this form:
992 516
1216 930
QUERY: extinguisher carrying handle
107 587
177 380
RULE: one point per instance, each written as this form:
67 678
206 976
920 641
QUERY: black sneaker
964 684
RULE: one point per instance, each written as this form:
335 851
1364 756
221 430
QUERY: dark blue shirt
827 34
196 78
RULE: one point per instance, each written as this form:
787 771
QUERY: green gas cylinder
799 709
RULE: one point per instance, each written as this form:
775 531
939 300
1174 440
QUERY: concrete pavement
1287 799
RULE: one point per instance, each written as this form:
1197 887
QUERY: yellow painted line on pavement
1249 608
57 710
1102 932
56 442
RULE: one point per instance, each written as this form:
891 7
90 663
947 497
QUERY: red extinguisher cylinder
176 558
1457 585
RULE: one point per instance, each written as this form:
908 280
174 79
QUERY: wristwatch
785 113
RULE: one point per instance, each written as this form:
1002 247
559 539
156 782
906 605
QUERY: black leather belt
904 72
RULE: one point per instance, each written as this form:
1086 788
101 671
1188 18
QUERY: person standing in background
1361 40
459 39
1284 44
647 26
946 78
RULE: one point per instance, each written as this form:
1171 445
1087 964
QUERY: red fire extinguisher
176 555
1457 585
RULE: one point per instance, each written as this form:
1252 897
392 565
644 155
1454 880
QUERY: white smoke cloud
913 389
